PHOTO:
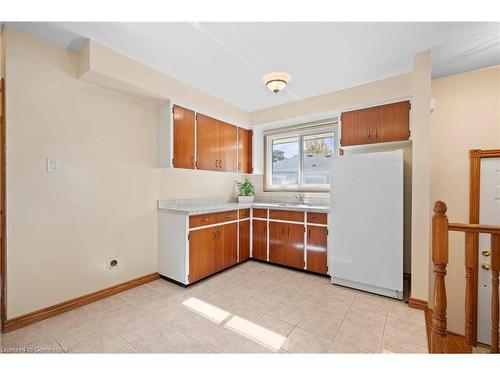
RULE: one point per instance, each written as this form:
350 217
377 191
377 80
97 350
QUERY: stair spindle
439 339
470 239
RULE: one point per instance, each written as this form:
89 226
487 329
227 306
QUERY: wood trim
3 219
418 304
456 342
474 198
74 303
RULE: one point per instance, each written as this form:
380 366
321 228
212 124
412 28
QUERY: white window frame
299 132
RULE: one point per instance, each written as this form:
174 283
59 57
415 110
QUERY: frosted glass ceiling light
276 81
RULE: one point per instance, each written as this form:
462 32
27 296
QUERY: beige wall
185 183
377 92
421 205
103 66
467 116
62 226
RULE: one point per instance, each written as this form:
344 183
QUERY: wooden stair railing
440 229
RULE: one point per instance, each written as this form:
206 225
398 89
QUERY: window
300 159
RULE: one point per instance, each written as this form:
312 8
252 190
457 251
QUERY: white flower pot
245 198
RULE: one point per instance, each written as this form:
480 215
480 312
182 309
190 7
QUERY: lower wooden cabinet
227 253
317 249
259 239
286 244
202 253
244 240
212 250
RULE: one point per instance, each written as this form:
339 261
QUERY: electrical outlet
112 263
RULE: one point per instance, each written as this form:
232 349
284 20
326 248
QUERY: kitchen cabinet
193 247
211 250
202 253
244 240
207 143
286 215
259 239
317 249
183 129
286 244
245 150
227 246
384 123
216 144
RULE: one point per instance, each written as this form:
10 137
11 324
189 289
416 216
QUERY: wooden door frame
3 247
474 201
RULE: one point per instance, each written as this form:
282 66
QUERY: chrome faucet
300 198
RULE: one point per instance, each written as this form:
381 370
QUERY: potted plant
246 191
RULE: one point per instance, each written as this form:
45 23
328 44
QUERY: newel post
439 338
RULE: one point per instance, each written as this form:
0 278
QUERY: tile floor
251 308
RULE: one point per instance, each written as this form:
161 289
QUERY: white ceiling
228 60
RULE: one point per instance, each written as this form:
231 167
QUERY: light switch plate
52 165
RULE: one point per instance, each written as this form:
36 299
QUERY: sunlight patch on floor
255 332
206 310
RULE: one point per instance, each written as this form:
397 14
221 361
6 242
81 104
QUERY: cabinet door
228 147
207 143
394 122
316 249
286 244
202 253
227 246
356 126
183 137
259 239
245 150
244 239
278 244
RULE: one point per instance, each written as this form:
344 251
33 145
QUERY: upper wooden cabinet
195 141
228 147
384 123
216 145
245 150
184 125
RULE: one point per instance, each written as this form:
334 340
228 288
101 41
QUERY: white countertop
209 207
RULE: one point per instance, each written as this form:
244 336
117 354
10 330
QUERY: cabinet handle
368 134
192 161
288 230
204 219
375 133
220 163
216 163
309 233
215 234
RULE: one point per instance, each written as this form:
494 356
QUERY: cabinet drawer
227 216
207 219
245 214
316 218
286 215
260 213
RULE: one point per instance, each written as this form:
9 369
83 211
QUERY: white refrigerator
366 226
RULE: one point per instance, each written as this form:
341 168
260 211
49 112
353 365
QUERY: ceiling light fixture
276 81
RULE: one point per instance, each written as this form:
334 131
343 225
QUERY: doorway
489 214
